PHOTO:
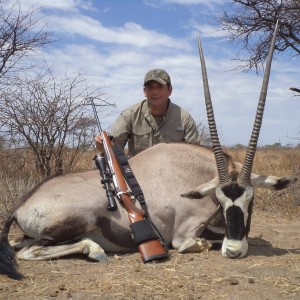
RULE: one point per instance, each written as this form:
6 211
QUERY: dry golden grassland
277 162
18 175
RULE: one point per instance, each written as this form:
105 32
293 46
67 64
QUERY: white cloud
92 29
189 2
62 5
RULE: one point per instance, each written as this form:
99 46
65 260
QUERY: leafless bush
19 36
204 134
50 116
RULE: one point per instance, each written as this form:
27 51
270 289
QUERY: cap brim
157 79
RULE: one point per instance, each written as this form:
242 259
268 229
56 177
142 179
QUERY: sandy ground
270 271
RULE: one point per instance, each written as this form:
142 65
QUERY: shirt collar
147 113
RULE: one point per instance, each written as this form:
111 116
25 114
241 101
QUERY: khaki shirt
138 127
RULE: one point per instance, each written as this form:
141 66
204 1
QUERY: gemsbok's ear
202 190
271 182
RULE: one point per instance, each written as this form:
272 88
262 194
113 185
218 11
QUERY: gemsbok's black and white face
236 202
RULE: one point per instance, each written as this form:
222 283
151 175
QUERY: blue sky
114 43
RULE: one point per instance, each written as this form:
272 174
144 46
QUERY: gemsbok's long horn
218 153
245 174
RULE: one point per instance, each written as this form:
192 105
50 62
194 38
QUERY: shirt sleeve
191 135
121 131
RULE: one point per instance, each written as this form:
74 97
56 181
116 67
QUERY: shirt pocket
176 135
141 138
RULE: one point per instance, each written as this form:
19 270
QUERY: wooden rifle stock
151 249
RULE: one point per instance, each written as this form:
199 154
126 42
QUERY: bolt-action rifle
148 242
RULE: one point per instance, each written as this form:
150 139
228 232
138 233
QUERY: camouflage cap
158 75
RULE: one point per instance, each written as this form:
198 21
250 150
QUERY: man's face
156 93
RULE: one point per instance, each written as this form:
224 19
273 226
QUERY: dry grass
190 276
277 162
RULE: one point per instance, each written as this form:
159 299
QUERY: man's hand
99 143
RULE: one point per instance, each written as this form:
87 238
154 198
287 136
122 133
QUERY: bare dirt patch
270 271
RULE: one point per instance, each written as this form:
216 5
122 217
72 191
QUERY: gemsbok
68 214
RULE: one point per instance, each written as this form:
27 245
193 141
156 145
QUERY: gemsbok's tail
8 264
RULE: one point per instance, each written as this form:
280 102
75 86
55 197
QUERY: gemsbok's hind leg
85 246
